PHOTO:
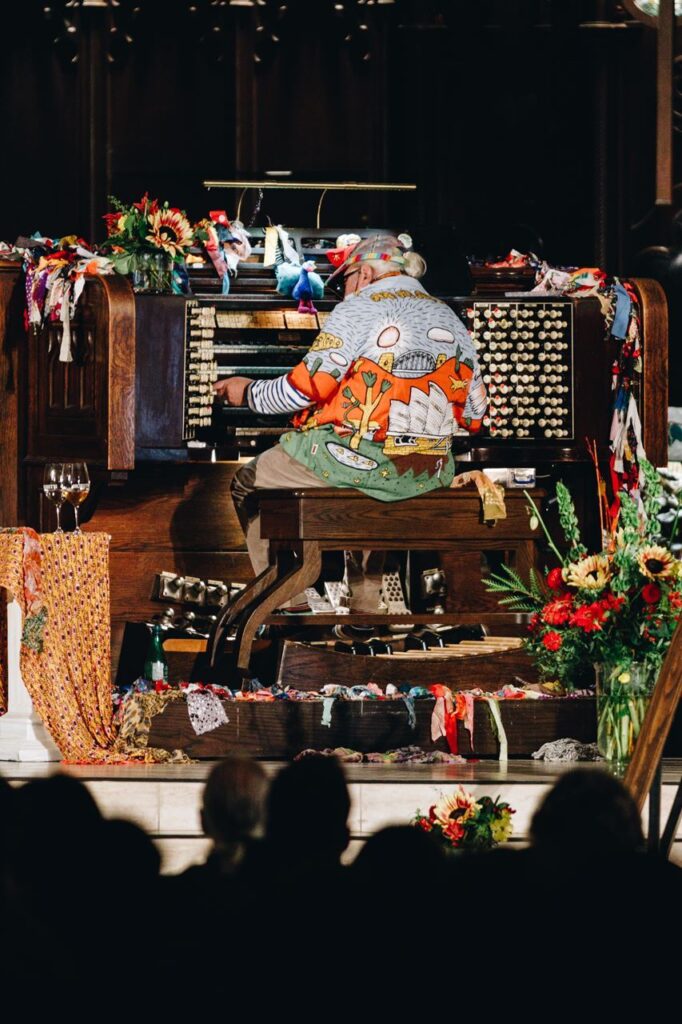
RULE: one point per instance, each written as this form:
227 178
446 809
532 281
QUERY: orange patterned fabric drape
61 582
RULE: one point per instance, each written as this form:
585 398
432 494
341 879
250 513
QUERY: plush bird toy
301 283
304 289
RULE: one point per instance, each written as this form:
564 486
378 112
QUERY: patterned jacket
385 385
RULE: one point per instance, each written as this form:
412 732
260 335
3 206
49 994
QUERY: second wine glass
53 484
76 486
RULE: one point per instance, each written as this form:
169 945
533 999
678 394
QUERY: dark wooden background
526 123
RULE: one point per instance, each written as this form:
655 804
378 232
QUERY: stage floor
165 799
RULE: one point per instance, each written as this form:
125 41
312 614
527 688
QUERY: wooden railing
643 774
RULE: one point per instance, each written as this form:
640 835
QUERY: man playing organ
376 400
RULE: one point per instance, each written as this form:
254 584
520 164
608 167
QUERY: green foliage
517 596
569 523
611 611
651 494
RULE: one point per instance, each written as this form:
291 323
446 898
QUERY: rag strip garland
138 705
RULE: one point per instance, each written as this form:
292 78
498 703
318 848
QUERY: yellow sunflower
591 573
170 231
656 562
460 807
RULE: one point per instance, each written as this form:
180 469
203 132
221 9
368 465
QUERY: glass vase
152 272
623 692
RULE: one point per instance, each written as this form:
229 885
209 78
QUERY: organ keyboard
546 362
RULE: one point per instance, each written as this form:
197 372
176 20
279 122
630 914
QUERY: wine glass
76 486
53 488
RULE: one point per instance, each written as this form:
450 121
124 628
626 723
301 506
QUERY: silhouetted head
233 808
59 804
124 848
53 849
308 809
400 850
587 813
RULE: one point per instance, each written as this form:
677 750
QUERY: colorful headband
366 257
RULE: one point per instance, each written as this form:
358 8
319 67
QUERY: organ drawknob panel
201 370
525 350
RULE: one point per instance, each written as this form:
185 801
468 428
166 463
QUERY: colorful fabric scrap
205 711
402 755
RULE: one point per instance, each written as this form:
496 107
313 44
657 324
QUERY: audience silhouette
275 907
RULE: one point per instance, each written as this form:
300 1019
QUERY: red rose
651 593
557 612
555 579
552 641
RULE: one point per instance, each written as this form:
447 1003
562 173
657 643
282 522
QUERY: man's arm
232 389
268 397
311 382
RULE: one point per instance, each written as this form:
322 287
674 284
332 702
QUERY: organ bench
302 524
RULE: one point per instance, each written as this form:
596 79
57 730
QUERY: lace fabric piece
206 711
567 750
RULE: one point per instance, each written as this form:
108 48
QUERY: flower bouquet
616 609
150 242
460 821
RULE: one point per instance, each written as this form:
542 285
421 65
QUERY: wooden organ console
136 403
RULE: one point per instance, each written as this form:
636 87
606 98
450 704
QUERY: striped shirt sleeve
275 397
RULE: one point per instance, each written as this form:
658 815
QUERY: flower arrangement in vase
459 821
616 609
150 242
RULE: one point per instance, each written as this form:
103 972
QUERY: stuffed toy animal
306 288
300 282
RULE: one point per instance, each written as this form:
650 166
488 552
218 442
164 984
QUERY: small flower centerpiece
615 610
150 242
460 821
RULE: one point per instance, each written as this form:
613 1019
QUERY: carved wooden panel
84 408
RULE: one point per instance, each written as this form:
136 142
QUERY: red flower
651 593
425 824
112 220
534 622
588 617
557 612
675 599
555 579
612 603
552 641
454 831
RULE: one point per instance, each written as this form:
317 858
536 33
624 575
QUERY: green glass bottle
155 663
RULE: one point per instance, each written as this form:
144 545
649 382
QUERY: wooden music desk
301 524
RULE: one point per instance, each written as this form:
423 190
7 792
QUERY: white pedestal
23 737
